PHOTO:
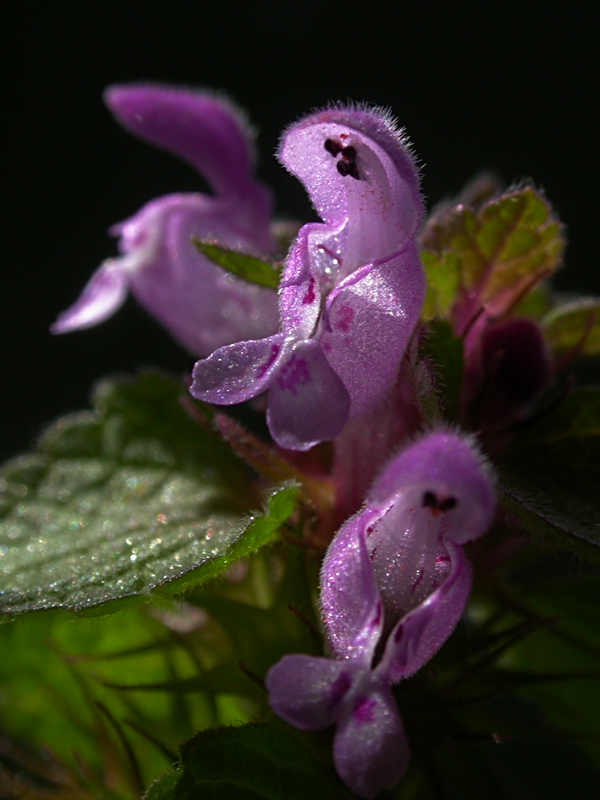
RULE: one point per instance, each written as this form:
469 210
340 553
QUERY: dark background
503 85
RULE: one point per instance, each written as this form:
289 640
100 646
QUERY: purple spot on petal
345 317
310 295
260 372
338 689
398 634
415 585
364 710
293 374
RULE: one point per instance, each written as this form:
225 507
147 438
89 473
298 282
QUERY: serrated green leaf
572 428
550 475
445 351
545 507
165 787
574 327
442 271
249 762
125 501
568 646
495 253
536 304
53 670
248 268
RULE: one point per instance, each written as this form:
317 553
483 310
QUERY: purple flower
352 289
394 583
202 306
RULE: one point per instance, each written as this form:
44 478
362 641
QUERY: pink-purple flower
352 289
394 583
201 305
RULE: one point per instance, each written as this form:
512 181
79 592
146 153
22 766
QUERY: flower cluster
395 580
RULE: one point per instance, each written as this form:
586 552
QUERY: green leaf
249 762
248 268
442 271
54 668
574 327
445 352
493 254
124 501
550 476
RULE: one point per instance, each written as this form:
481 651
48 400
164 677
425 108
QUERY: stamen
447 504
332 147
429 500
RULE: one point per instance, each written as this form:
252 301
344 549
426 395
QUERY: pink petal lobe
423 630
369 320
238 372
104 294
205 131
350 599
307 691
308 403
370 749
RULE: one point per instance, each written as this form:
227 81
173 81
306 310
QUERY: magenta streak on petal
310 295
261 371
338 689
376 621
364 710
419 578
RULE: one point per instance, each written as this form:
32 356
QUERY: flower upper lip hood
352 288
381 203
201 305
394 583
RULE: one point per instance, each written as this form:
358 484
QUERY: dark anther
447 504
430 500
347 163
332 147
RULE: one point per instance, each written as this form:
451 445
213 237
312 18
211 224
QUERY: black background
505 85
